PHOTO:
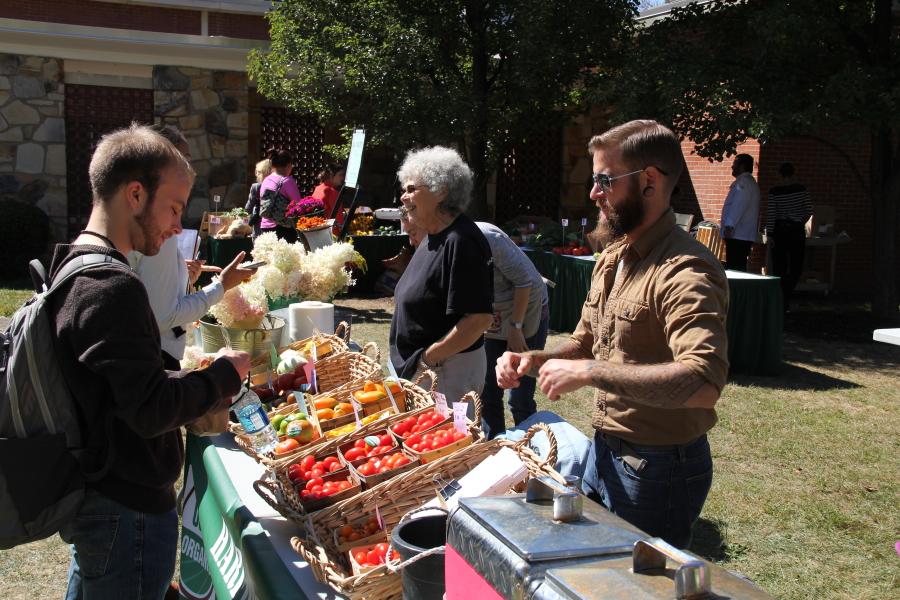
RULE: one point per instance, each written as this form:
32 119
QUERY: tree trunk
477 146
885 191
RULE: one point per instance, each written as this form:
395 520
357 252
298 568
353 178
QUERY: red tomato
295 472
401 460
372 557
354 453
414 439
316 489
366 470
385 440
435 444
318 471
382 549
360 557
334 467
315 481
329 461
308 461
344 485
360 444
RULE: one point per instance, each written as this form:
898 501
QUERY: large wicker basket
395 498
417 399
339 341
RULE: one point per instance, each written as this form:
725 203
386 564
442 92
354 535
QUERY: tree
726 71
479 75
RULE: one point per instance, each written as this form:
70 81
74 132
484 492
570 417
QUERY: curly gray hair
440 169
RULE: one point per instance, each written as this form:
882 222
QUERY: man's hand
232 275
194 268
515 340
557 376
239 360
511 367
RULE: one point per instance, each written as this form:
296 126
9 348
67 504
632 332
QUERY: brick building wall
104 14
823 167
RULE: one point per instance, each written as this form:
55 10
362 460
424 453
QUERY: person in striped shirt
789 210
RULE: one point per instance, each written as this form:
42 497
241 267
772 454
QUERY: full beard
149 234
619 221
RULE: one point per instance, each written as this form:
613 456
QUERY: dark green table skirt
221 252
374 249
754 323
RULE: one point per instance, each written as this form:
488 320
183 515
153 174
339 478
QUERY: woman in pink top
282 165
331 178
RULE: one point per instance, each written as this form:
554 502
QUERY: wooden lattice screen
301 135
92 111
528 178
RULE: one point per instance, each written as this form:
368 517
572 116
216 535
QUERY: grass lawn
805 493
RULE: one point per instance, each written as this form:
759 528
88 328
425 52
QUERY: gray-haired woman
443 302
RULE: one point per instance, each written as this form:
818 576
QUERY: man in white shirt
740 214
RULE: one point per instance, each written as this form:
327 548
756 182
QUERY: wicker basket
417 399
338 340
395 498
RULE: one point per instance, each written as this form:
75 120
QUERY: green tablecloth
374 249
221 252
754 323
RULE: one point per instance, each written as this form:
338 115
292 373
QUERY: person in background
125 535
330 180
788 211
263 170
521 321
651 340
168 276
443 301
280 178
740 214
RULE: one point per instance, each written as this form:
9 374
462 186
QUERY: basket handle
370 346
431 375
532 431
343 331
475 399
266 491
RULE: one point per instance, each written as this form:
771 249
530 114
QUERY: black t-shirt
449 276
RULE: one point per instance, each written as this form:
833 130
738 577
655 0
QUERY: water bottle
253 417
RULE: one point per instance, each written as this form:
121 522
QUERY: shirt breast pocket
632 318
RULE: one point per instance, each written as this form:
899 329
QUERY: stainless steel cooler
509 547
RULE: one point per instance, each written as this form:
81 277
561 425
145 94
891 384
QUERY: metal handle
692 578
568 505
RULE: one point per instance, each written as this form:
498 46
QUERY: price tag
356 414
215 220
387 388
273 356
459 416
583 221
378 518
565 222
440 404
300 398
309 369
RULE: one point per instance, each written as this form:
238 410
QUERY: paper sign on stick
459 416
440 404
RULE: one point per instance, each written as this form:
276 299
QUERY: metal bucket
253 341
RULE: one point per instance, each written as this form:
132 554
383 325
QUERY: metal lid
529 530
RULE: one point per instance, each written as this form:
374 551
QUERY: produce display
358 531
307 223
318 488
417 424
372 445
374 555
573 248
310 468
434 439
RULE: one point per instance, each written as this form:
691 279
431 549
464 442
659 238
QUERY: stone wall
577 167
211 109
33 135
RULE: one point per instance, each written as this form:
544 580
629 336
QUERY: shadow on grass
795 377
709 541
370 315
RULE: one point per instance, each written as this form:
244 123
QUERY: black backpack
273 205
41 441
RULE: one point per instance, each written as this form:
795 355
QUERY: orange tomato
286 446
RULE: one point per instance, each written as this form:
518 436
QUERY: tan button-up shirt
667 304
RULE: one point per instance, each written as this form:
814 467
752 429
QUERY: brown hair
644 143
136 153
745 161
329 171
280 157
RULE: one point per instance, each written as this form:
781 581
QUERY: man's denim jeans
118 552
521 399
664 499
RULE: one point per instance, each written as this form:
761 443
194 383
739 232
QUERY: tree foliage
476 74
728 70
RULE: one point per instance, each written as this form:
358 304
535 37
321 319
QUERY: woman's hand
515 340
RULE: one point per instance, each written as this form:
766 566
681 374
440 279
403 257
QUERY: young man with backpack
107 345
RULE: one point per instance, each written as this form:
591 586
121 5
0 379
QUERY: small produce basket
328 559
326 344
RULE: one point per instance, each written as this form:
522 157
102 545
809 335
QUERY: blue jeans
118 552
521 399
664 497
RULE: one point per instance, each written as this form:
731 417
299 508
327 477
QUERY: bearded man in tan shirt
651 340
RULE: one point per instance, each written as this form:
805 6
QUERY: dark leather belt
629 451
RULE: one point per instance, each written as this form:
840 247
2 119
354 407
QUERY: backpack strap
83 263
38 276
